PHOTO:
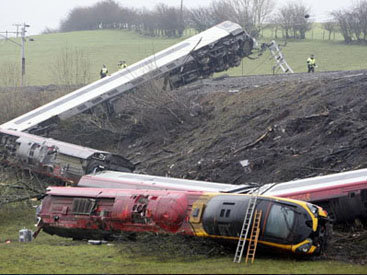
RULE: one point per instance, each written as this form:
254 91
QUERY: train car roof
104 192
333 181
63 147
112 179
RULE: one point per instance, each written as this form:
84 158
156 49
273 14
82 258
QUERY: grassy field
50 254
108 47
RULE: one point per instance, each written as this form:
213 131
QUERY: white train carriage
216 49
344 195
56 159
121 180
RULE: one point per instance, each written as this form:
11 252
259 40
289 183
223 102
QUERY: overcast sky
48 13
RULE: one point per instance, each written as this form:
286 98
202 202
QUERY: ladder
255 232
245 228
279 58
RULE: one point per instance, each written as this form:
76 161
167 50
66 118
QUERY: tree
342 17
330 26
292 19
250 14
201 18
353 22
70 67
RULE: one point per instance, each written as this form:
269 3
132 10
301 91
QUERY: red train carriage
343 195
95 213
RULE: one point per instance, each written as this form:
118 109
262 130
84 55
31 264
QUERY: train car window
280 221
225 213
195 212
83 206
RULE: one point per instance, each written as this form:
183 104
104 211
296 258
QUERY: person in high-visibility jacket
311 64
122 65
104 71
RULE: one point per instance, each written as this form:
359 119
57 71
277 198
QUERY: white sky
40 14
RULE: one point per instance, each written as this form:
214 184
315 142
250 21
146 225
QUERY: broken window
280 221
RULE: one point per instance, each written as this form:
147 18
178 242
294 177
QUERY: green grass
109 46
101 47
52 254
330 56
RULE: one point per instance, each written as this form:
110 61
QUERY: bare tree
353 22
10 75
292 19
250 14
201 19
330 26
342 17
360 12
168 20
161 21
71 67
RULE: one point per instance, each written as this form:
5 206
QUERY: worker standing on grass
104 71
122 65
311 64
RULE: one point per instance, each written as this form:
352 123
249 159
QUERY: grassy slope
108 47
101 47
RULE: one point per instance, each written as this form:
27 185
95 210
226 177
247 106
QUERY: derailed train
95 213
56 159
343 195
214 50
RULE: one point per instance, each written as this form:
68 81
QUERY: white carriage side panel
330 181
139 181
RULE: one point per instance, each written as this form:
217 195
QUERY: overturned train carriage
56 159
95 213
342 195
214 50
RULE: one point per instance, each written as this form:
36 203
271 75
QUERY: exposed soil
285 126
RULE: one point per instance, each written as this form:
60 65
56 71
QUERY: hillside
285 126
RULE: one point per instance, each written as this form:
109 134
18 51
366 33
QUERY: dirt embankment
284 127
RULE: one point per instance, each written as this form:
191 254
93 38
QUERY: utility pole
17 25
181 17
23 55
21 45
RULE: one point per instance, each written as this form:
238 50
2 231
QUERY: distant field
50 254
108 47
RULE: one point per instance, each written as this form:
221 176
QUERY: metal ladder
279 58
245 227
255 232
